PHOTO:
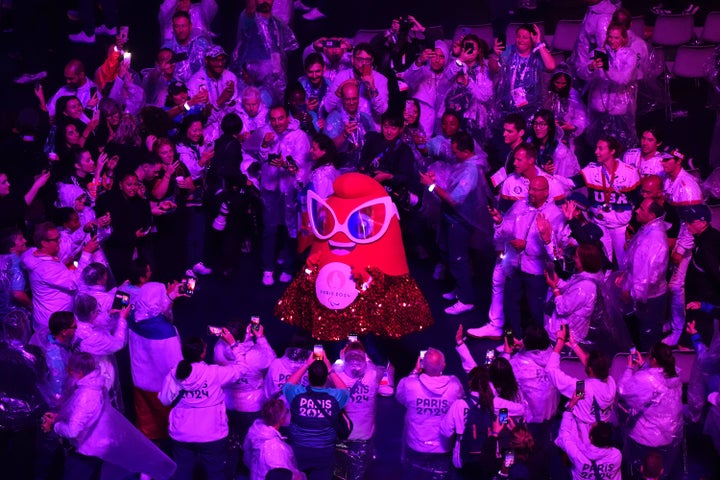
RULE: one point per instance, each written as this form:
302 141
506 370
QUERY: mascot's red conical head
357 225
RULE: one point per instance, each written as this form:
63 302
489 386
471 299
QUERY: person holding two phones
244 398
652 392
598 389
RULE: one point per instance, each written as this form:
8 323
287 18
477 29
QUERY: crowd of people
123 187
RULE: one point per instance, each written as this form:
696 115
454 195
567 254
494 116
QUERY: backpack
472 441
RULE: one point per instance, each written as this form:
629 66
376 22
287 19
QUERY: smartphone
93 91
291 162
255 320
633 350
127 56
217 331
469 47
422 354
566 329
509 459
318 351
502 39
503 416
352 338
509 337
489 357
147 230
580 388
93 230
187 287
120 301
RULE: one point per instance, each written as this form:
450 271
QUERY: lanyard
523 67
608 186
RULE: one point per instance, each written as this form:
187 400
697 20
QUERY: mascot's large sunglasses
365 223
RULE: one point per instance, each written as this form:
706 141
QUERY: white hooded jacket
266 449
583 454
200 414
427 400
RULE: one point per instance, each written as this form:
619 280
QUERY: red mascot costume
356 278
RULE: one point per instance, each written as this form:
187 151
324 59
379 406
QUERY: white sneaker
81 37
298 5
458 308
439 272
450 295
313 14
201 269
30 77
103 30
285 277
268 279
486 331
673 338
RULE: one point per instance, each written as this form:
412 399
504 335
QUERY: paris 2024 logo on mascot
356 278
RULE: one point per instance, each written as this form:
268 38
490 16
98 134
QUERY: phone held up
120 301
318 351
187 287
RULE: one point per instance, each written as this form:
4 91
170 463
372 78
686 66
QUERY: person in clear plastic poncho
104 440
653 395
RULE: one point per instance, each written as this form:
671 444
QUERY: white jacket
583 454
200 415
575 305
515 409
427 400
362 403
596 391
278 373
53 285
646 262
246 394
154 341
539 392
266 449
102 344
660 401
520 222
98 430
682 191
